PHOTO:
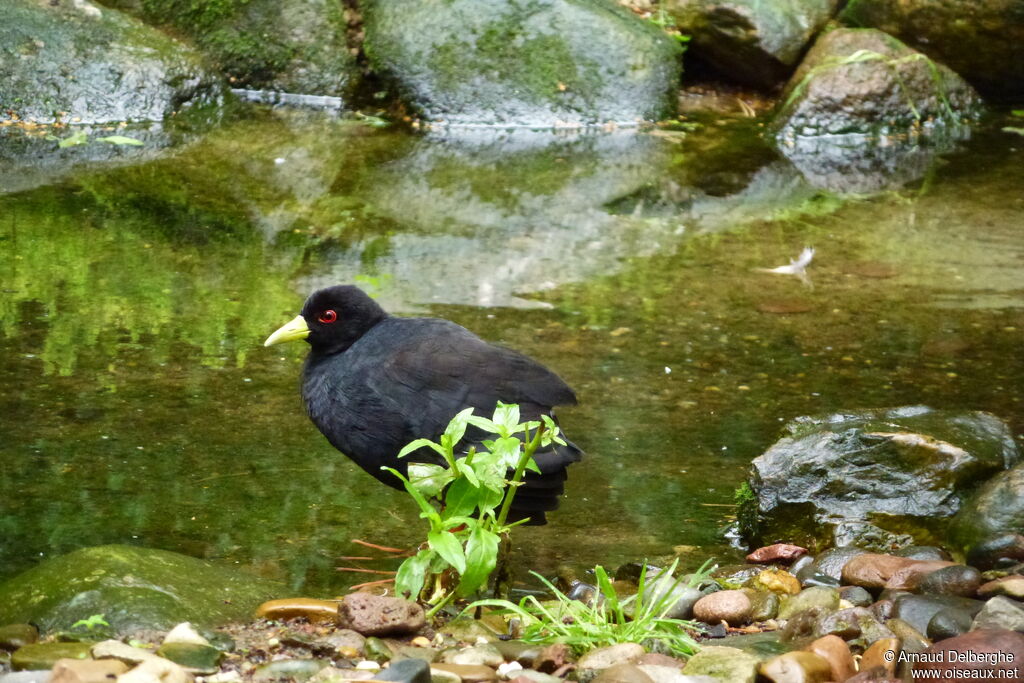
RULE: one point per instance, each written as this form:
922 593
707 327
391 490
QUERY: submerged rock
995 654
533 64
990 527
857 467
862 81
754 42
133 588
74 62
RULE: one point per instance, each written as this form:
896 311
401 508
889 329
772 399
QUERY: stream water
138 284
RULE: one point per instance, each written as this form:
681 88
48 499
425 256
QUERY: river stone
134 588
996 644
911 640
406 671
836 652
184 633
750 41
318 611
785 553
724 664
764 605
732 606
981 41
115 649
156 670
883 653
197 659
796 666
288 669
989 527
467 673
957 579
854 624
872 570
856 596
622 673
44 655
831 562
922 552
865 82
87 670
859 466
111 67
948 623
670 674
1011 586
518 651
776 581
667 587
601 658
826 599
918 610
26 677
485 654
534 64
531 676
1000 613
910 577
378 615
14 636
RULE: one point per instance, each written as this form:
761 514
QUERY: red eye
328 317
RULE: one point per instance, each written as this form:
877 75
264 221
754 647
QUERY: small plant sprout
467 501
92 623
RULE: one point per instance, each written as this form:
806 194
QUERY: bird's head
332 319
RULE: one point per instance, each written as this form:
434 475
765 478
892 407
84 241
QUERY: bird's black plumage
373 382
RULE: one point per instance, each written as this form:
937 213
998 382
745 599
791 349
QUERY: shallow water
140 407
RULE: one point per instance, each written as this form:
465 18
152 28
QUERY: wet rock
776 581
854 624
872 570
754 43
876 675
796 667
487 655
957 580
659 659
377 615
467 673
316 611
622 673
576 62
831 562
985 653
406 671
882 609
923 552
917 610
909 578
333 674
732 606
800 563
826 599
87 670
980 41
884 654
832 94
113 68
194 658
1011 586
426 654
785 553
851 466
44 655
288 669
724 664
155 670
531 676
184 633
377 650
552 658
988 527
836 652
669 674
856 596
911 640
134 588
675 589
1000 613
115 649
763 605
590 664
518 651
948 623
14 636
738 574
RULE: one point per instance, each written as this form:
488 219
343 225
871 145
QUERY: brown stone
658 659
623 673
908 578
317 611
1002 653
883 652
731 606
377 615
552 658
1011 586
778 552
876 675
872 570
87 670
837 653
469 673
777 581
796 667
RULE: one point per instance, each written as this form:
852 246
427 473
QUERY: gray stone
918 610
955 580
809 598
831 562
406 671
1000 613
922 552
668 674
111 67
988 528
288 669
723 664
948 623
487 655
540 64
621 673
193 657
590 664
856 596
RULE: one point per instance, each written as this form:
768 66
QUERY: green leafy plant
608 618
467 501
93 623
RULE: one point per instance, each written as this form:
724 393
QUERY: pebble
831 562
292 669
115 649
44 655
622 673
922 552
917 610
467 673
1000 612
872 570
518 651
856 596
957 579
776 581
532 676
406 671
485 654
724 664
347 642
184 633
910 577
911 640
796 667
42 676
316 611
194 658
155 670
948 623
778 552
836 652
378 615
763 605
552 658
814 597
731 606
606 657
996 643
14 636
882 653
87 670
1011 586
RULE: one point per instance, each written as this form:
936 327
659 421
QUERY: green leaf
448 547
457 427
429 479
1012 129
79 138
1018 112
122 140
412 573
468 472
461 499
418 444
481 558
484 424
427 510
506 415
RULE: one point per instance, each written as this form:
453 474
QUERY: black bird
373 382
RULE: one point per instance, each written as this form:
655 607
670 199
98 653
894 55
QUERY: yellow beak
293 330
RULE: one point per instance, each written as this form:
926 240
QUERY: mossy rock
76 62
133 588
534 63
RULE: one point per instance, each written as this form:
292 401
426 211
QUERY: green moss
746 509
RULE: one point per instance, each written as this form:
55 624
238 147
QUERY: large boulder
538 63
75 62
864 82
294 46
751 41
905 470
981 41
133 588
990 526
